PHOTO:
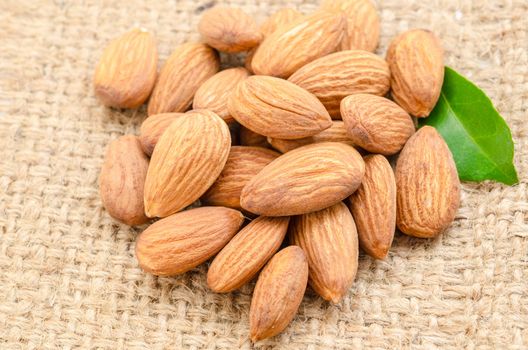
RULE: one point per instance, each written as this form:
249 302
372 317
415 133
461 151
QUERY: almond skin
180 242
126 72
242 165
278 293
187 160
335 133
229 29
330 241
376 124
189 66
251 138
373 207
152 129
214 93
333 77
277 108
304 180
416 61
363 23
122 179
306 39
244 256
428 188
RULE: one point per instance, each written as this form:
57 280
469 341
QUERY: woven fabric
68 275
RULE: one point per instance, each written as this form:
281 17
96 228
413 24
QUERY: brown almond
189 66
306 39
277 108
373 207
428 188
152 129
126 72
245 255
187 160
278 293
416 61
335 133
242 165
251 138
333 77
180 242
214 93
229 29
363 23
122 179
330 241
376 124
307 179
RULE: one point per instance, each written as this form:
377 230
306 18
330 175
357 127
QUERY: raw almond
122 179
251 138
189 66
376 124
335 133
277 108
330 241
180 242
244 256
188 158
307 179
229 29
278 293
373 207
278 20
333 77
152 129
214 93
416 61
126 72
242 165
306 39
428 188
363 23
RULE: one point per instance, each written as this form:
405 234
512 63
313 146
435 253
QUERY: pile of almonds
311 173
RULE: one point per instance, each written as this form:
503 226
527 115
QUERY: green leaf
476 134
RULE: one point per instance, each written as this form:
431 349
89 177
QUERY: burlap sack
68 274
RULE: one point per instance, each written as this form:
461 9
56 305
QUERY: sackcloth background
68 274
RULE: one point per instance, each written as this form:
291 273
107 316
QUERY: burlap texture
68 275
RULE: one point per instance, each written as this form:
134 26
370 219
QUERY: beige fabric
68 275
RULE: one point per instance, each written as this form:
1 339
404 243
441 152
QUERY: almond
189 66
277 108
188 158
373 207
276 21
428 188
122 179
416 61
363 23
376 124
330 241
229 29
250 138
335 133
242 165
333 77
307 179
278 293
214 93
244 256
126 72
306 39
152 129
180 242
